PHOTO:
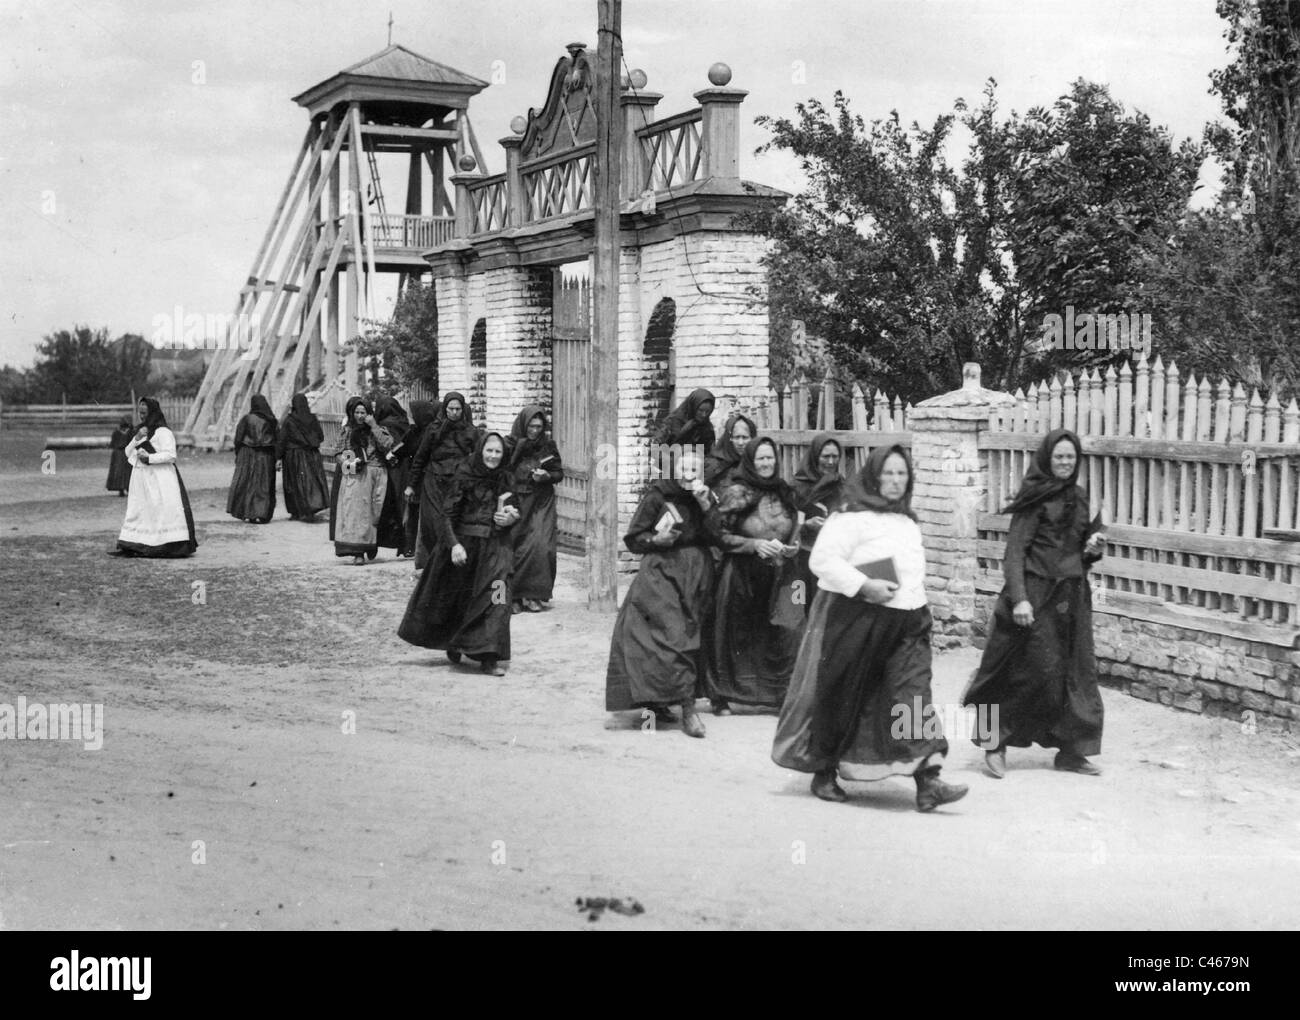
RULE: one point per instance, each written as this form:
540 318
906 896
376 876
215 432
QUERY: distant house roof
395 72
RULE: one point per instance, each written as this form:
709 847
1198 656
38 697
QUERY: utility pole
602 383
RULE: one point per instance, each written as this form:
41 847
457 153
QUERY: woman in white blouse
859 701
158 519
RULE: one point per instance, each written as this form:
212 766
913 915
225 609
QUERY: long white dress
157 522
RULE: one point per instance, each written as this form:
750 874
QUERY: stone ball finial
467 163
720 74
638 78
519 125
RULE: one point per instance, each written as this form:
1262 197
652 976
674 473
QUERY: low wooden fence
76 415
1198 486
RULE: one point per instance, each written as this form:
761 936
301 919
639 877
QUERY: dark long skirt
167 550
119 472
535 545
750 656
391 529
467 608
1042 679
305 492
863 670
656 655
252 490
430 520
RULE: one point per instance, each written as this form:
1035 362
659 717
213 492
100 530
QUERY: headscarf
300 411
124 423
681 427
154 418
519 445
746 471
474 467
864 491
810 485
300 426
424 413
262 408
725 456
390 415
359 437
1040 484
445 425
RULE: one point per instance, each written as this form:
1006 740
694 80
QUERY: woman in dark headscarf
423 414
656 654
119 469
252 490
391 530
158 518
298 446
859 703
535 469
689 424
360 482
818 493
1037 680
445 444
462 601
756 622
725 458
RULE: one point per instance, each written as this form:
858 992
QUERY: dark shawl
424 413
725 456
1040 484
262 408
863 492
681 428
392 416
519 447
810 485
121 436
300 430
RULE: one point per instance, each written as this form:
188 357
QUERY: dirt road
274 757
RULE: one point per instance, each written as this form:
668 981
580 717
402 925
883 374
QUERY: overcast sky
126 188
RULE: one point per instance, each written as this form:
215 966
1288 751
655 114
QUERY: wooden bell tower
312 283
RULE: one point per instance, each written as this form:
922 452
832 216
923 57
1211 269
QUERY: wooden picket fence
75 415
878 421
1197 484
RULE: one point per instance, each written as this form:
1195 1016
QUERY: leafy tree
909 267
85 367
403 351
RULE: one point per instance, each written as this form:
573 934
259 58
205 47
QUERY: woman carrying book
656 654
461 603
756 620
158 519
859 704
818 492
534 471
1038 670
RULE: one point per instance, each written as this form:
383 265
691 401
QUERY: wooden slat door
570 370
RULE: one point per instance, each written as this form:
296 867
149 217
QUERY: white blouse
863 536
164 443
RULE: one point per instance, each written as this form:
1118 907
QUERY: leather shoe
692 724
996 762
1067 762
825 787
931 791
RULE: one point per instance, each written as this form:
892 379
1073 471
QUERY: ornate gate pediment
567 119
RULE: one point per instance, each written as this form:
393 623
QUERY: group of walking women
809 598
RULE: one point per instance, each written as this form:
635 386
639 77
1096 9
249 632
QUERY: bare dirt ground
464 801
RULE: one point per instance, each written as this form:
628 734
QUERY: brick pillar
948 494
518 342
453 333
633 427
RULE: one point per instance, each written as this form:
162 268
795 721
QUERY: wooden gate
570 370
